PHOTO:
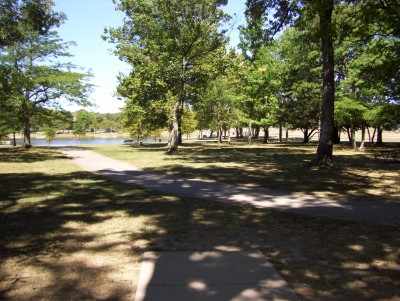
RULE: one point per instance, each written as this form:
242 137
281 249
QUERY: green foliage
169 45
301 79
189 122
82 122
18 18
34 80
50 134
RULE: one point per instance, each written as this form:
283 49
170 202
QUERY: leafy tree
189 122
216 110
50 134
301 80
82 122
35 80
147 101
364 51
176 37
266 18
18 18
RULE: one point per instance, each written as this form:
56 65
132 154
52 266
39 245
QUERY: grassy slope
67 234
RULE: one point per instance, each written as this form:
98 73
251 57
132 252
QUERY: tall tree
177 36
35 78
270 16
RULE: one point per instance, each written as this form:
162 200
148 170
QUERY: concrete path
264 198
210 276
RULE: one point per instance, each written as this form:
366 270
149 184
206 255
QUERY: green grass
355 176
66 234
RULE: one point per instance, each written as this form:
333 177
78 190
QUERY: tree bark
27 133
305 136
174 135
362 147
324 155
249 134
266 135
379 136
336 135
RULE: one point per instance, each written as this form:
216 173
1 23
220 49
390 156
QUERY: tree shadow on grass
14 155
79 236
283 169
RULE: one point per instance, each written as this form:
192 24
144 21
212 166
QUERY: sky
86 20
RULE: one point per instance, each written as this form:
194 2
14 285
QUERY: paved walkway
264 198
217 275
210 276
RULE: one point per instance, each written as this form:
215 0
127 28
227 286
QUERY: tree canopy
170 46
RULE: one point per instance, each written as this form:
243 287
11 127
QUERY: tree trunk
140 135
219 137
373 135
176 132
173 148
305 136
280 132
256 132
27 133
336 135
379 136
249 134
353 142
324 155
362 147
266 135
14 140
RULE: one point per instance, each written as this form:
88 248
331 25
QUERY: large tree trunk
324 155
174 135
379 136
305 136
27 133
266 135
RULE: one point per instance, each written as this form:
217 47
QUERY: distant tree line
84 122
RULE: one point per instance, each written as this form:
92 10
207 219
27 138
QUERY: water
81 141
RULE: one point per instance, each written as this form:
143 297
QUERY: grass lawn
356 175
66 234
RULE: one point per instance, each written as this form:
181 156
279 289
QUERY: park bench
388 154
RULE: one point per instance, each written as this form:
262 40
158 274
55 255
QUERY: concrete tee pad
210 276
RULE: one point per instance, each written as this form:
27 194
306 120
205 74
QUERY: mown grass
66 234
356 175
